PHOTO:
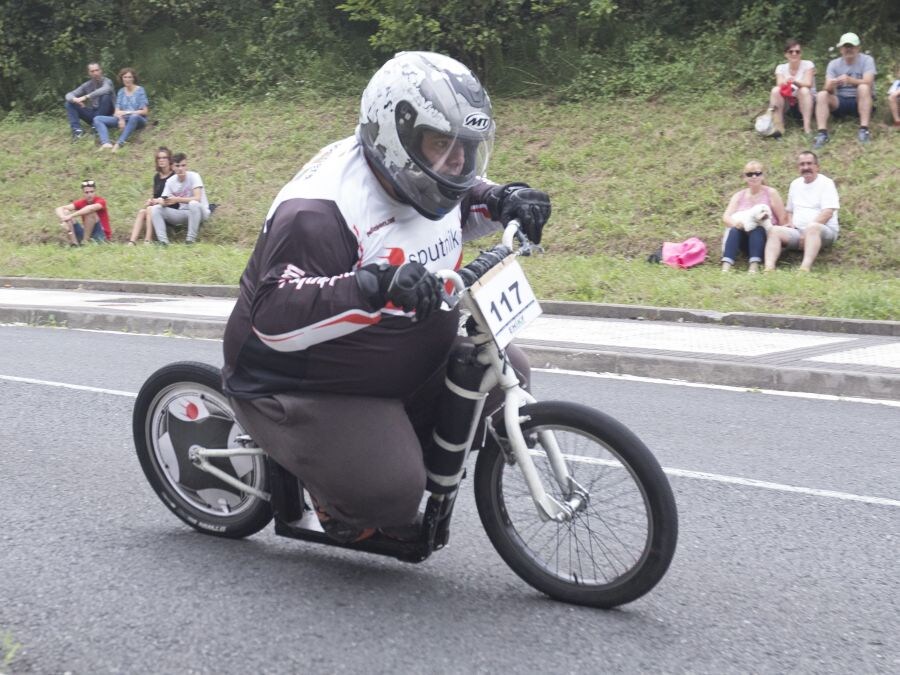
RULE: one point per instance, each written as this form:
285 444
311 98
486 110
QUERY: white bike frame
499 373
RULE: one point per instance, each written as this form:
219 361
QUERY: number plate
506 300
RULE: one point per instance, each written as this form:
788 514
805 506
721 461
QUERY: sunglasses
88 183
753 174
792 51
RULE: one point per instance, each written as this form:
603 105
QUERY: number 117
504 300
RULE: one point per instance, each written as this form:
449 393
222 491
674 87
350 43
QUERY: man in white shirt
812 208
184 189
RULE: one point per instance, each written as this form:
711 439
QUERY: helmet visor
454 160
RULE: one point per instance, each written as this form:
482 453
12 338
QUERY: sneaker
77 134
820 140
863 135
341 532
406 533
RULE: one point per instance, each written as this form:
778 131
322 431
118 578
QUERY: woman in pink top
752 243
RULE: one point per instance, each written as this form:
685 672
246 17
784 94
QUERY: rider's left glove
517 200
409 286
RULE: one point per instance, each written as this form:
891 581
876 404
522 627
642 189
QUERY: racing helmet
426 126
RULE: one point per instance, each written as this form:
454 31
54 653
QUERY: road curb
113 320
746 319
130 287
744 375
560 307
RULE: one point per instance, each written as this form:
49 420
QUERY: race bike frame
487 366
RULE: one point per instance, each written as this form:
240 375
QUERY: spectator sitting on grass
88 100
737 239
131 111
163 161
849 89
794 92
92 212
184 189
894 99
812 209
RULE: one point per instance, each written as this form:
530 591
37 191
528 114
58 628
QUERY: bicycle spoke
603 541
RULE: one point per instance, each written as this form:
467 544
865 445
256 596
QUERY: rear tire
181 405
617 546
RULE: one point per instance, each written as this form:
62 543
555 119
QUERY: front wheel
620 539
180 406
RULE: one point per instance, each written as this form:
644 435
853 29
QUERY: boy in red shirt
92 212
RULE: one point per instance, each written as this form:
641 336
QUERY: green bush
580 49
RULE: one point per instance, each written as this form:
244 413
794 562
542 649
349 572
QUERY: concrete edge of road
845 383
704 371
562 308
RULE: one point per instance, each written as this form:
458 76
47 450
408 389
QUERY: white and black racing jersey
301 321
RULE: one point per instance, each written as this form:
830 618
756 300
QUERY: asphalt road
798 573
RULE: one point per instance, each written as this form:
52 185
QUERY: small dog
756 216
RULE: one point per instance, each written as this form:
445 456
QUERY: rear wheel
621 538
182 405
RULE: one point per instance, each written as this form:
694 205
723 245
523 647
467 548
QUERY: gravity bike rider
334 355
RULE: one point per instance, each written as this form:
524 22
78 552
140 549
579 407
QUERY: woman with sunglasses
163 164
794 92
737 239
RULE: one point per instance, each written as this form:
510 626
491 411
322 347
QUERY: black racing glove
409 286
517 200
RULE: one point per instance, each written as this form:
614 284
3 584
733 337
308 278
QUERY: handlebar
469 274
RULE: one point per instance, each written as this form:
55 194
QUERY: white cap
849 39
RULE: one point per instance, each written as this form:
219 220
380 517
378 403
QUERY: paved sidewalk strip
864 365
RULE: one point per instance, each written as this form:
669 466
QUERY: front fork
515 397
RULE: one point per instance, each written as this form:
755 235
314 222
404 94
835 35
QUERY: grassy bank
623 180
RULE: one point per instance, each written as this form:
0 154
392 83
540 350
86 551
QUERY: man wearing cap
849 84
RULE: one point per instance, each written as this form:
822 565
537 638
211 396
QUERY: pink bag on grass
684 254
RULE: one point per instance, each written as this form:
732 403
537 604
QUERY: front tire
182 405
619 543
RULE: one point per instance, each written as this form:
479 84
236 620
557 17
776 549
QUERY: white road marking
737 480
65 385
683 473
780 487
721 387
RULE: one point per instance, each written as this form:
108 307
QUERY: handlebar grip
484 262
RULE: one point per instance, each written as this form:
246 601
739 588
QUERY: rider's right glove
517 200
409 286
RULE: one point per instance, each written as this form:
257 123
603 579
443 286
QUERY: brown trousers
361 456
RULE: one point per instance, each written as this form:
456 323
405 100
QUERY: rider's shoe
343 533
409 532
